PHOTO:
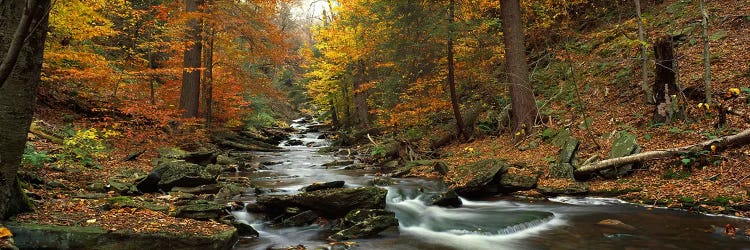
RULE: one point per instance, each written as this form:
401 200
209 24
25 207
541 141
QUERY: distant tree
706 52
22 35
191 74
642 40
452 74
523 105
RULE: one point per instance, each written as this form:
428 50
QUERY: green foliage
684 199
378 150
35 158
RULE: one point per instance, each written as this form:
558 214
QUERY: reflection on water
493 223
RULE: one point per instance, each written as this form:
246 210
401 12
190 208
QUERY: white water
560 223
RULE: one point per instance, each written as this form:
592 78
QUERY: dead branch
719 144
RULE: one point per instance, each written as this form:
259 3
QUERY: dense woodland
92 90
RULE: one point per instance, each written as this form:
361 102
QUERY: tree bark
664 80
706 52
191 74
360 96
644 73
452 75
17 95
19 37
523 106
720 144
208 79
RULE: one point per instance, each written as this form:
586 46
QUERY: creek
490 223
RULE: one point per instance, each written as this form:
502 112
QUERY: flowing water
493 223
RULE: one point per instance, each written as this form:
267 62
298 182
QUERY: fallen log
719 144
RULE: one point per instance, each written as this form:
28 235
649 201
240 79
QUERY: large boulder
518 179
181 174
330 203
322 186
364 223
447 199
483 176
624 144
304 218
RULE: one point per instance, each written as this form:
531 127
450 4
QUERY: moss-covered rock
624 144
331 203
517 179
183 174
484 177
572 188
199 210
365 223
35 236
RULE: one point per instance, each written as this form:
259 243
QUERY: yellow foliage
5 233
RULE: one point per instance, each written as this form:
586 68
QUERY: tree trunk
720 144
208 78
452 75
644 68
334 114
706 52
664 80
17 95
191 74
523 106
360 96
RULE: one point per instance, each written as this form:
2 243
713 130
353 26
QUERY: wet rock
365 223
199 210
244 229
517 179
484 177
330 203
382 181
225 160
615 224
624 144
338 163
322 186
447 199
301 219
228 191
293 142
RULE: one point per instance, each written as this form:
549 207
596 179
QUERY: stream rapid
500 222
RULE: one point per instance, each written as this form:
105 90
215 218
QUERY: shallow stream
492 223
